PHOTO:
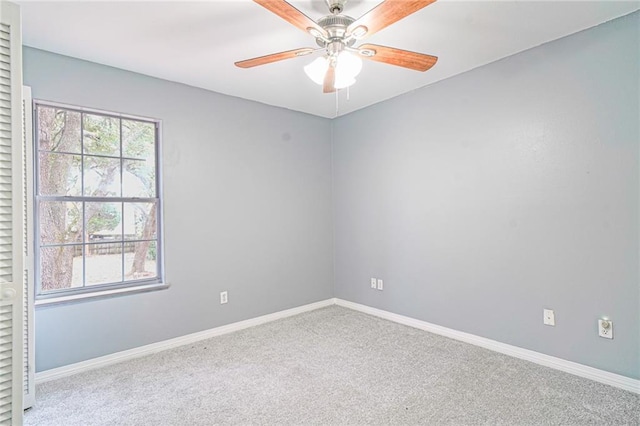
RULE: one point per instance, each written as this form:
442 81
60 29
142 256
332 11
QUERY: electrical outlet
548 317
223 297
605 328
380 284
373 283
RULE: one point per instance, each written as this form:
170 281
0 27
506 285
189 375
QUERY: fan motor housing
336 26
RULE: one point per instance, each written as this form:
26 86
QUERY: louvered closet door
11 217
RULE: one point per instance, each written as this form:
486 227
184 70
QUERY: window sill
100 294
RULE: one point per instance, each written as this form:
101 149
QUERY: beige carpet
330 366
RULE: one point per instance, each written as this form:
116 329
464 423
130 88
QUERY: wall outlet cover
380 285
223 297
373 283
605 328
548 317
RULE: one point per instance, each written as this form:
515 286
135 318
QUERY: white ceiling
197 43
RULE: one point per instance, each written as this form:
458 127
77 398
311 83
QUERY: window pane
59 174
101 177
103 263
140 221
58 130
90 166
138 140
101 135
140 261
139 179
60 267
60 222
104 221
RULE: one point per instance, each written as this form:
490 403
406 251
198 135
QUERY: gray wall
479 200
485 198
247 209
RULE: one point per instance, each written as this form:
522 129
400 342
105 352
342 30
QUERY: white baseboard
68 370
591 373
587 372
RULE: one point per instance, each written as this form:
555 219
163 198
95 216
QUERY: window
97 201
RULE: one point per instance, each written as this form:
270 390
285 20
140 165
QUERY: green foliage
152 252
106 218
138 139
138 147
101 135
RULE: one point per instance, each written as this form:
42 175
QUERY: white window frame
107 289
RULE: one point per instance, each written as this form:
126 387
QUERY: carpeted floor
330 366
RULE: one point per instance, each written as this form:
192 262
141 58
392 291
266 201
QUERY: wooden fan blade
329 85
275 57
291 15
386 13
399 57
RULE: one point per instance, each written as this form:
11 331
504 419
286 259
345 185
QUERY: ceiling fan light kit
336 34
347 67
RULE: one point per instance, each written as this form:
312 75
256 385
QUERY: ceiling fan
336 35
